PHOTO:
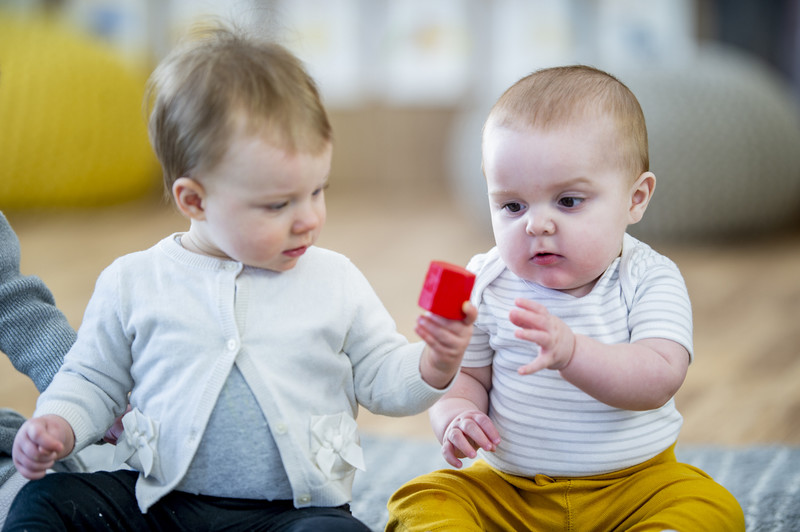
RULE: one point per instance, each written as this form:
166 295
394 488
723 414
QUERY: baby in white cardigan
243 349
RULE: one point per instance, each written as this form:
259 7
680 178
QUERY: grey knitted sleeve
34 334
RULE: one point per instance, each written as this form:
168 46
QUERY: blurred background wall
408 83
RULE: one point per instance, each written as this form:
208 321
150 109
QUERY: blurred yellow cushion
72 131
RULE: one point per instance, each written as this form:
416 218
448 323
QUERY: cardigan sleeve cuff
84 431
421 394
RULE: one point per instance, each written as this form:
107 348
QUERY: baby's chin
575 288
280 267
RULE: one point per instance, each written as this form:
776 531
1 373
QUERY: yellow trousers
660 494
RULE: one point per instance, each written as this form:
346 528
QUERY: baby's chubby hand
39 443
446 342
554 337
469 431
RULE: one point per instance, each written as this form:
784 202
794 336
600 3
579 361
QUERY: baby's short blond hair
556 96
220 81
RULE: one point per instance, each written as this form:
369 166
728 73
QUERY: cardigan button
304 499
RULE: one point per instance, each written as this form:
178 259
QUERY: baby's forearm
434 372
640 376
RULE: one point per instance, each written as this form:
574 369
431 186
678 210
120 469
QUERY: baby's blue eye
320 190
276 206
570 202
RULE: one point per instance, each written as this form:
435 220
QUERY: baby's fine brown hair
553 97
220 81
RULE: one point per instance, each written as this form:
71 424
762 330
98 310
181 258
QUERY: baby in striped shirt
584 335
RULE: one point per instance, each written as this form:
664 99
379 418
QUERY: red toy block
446 288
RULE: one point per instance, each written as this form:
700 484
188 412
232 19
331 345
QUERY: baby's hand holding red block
447 327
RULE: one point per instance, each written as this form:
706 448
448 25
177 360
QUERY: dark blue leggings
107 501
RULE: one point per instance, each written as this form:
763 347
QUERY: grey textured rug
765 480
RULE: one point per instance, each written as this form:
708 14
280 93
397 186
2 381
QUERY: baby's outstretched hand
469 431
39 443
554 337
446 342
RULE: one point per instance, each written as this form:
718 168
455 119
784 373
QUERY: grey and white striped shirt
547 425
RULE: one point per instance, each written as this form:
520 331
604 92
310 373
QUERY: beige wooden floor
744 387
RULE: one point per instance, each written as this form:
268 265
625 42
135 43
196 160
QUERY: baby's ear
641 192
189 196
